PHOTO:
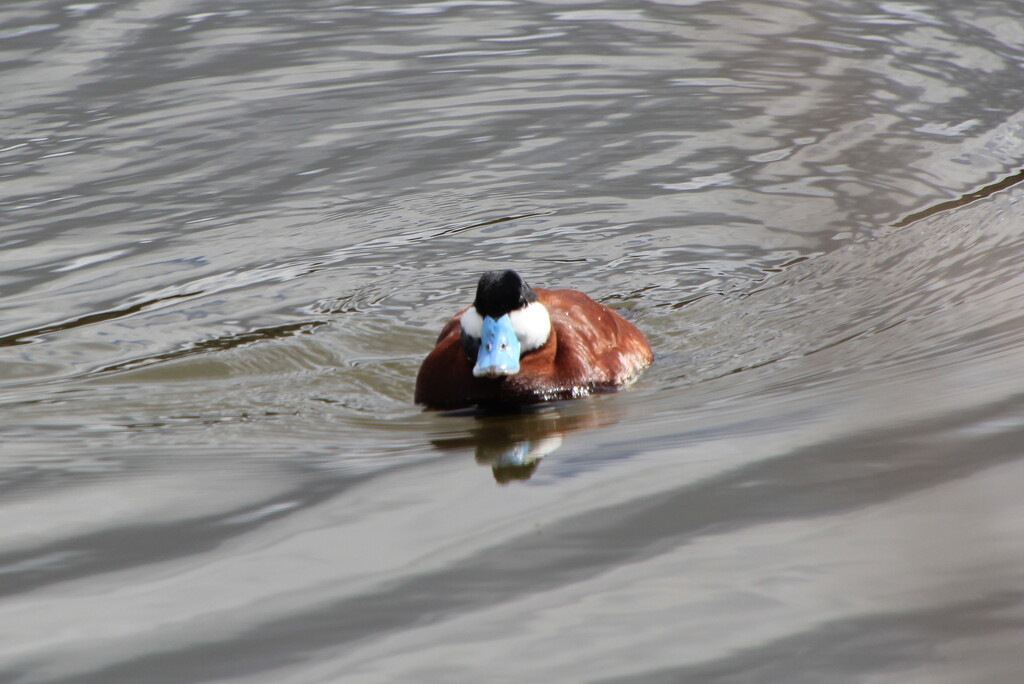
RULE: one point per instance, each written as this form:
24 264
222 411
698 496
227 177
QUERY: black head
500 292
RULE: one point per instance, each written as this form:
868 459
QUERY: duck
516 345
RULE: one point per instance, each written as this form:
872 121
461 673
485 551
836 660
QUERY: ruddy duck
515 345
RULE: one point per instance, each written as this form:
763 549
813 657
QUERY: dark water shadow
219 343
125 546
33 335
851 649
981 193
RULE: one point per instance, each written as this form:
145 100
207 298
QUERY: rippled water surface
232 230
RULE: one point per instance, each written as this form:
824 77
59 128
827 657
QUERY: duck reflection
514 444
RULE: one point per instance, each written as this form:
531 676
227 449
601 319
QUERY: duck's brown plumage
591 348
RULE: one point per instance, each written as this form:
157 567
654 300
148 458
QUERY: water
233 230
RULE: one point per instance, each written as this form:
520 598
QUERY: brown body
591 348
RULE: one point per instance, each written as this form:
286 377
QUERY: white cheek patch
472 323
531 323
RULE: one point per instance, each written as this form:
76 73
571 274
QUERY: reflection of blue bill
526 453
499 349
516 455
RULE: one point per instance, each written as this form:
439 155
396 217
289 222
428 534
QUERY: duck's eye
489 346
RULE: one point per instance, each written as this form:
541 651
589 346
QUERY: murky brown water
232 231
